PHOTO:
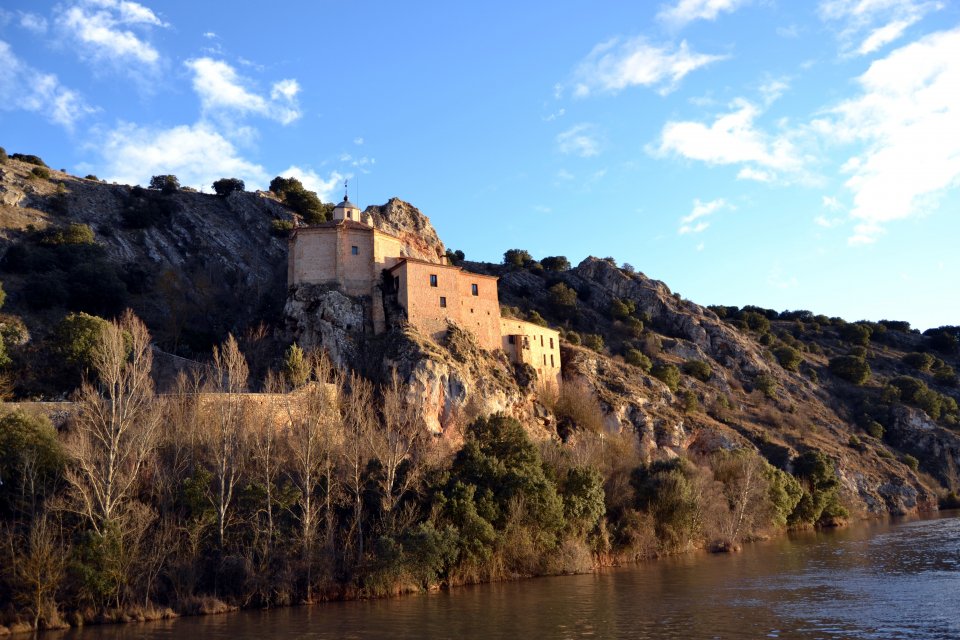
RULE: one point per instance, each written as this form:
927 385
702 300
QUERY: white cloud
827 223
358 141
830 203
104 30
579 140
23 87
553 116
701 210
222 91
325 187
874 23
906 117
209 35
565 175
33 22
773 89
196 154
686 11
617 64
732 138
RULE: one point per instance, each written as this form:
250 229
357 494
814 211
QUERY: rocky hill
878 398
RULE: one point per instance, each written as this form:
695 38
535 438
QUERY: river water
874 580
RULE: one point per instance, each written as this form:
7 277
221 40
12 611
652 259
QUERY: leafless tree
230 375
115 429
37 564
396 444
358 419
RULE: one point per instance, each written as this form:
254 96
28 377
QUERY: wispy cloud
33 22
903 118
683 12
580 140
693 222
617 64
22 87
325 187
733 138
223 91
112 31
866 26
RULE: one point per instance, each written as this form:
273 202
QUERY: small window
355 250
471 310
474 289
544 359
433 279
511 339
396 283
443 302
551 361
551 344
541 344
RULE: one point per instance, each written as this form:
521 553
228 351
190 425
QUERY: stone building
360 260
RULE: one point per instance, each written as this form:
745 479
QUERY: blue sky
793 155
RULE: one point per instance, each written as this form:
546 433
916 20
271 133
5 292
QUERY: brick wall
534 345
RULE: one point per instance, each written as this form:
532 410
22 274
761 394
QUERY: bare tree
396 445
116 424
314 430
230 375
358 419
38 563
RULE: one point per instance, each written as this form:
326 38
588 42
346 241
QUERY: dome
346 204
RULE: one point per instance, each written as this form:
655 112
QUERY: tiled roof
404 259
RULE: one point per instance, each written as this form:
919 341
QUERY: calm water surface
879 580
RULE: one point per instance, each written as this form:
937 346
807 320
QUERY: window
551 361
474 289
511 339
433 279
551 344
350 214
355 250
544 359
396 283
443 302
541 344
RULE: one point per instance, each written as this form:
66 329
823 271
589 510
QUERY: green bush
225 186
756 322
875 429
40 172
535 317
788 357
305 203
555 263
698 369
143 209
583 498
858 352
911 462
3 156
167 184
75 233
638 359
25 437
517 257
92 177
856 333
562 297
765 384
281 228
945 376
821 489
76 336
572 337
668 490
667 374
29 159
689 402
634 327
622 309
594 341
851 369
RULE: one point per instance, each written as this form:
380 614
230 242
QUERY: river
871 580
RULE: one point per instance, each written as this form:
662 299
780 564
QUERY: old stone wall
534 345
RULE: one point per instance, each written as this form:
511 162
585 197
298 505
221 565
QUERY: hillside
684 379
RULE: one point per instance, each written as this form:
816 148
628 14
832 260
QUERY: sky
791 155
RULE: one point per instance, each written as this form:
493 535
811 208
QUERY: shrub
854 441
875 429
3 155
555 263
455 257
944 339
28 445
945 376
766 384
40 172
594 341
29 159
75 233
851 369
856 333
535 317
76 336
689 402
919 361
281 228
756 322
562 297
669 491
143 208
788 357
517 257
90 176
698 369
821 488
225 186
911 462
296 366
667 374
165 183
858 352
638 359
621 309
573 337
306 203
634 327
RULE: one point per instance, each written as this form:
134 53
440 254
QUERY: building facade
350 254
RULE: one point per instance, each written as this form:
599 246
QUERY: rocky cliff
196 266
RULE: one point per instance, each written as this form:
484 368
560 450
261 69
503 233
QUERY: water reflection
870 581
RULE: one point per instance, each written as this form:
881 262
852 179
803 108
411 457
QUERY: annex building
360 260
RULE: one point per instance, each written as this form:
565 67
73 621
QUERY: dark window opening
511 339
551 361
474 289
551 343
433 279
396 283
544 359
355 250
443 302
